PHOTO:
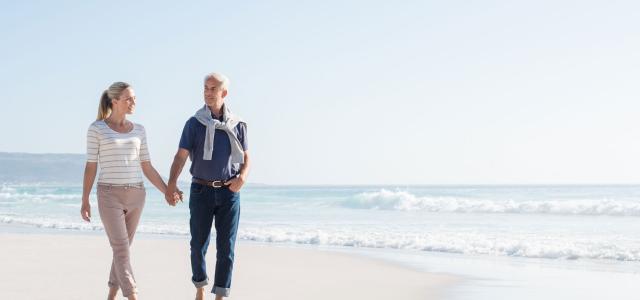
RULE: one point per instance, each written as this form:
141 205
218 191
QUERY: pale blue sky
345 92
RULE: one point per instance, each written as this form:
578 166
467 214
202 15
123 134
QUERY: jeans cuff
220 291
200 284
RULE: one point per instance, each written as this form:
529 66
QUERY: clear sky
344 92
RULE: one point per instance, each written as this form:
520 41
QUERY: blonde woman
119 146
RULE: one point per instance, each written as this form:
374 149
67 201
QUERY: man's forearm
244 169
176 169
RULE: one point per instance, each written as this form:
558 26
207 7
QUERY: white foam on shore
529 246
405 201
513 245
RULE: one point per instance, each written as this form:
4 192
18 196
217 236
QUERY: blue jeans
207 204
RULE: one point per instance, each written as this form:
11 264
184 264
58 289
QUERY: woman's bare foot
200 294
113 293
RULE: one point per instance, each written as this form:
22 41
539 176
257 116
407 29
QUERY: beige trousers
120 209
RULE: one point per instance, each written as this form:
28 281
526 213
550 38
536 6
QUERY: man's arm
244 169
236 184
176 168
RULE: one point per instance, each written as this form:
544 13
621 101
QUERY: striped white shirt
118 154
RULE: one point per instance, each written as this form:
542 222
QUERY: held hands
173 195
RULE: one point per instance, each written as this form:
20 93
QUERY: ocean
506 242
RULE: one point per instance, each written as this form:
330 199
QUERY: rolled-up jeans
207 204
120 208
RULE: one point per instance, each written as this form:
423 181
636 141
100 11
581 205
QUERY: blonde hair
113 92
224 81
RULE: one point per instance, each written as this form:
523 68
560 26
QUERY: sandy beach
75 266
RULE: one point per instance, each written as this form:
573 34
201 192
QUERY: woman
120 147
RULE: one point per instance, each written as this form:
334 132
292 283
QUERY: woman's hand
85 211
90 171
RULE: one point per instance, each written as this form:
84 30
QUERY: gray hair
224 81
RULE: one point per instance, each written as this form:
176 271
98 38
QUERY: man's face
213 93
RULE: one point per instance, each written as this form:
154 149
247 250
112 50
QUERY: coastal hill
29 167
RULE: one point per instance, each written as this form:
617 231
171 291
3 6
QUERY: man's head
215 88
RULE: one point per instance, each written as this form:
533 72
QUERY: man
216 141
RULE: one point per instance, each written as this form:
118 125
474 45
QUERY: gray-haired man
216 141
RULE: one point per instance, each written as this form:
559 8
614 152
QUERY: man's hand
173 194
235 184
177 196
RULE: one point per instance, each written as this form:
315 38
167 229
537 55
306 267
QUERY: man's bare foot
200 294
113 293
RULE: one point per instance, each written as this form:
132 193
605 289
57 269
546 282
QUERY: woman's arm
90 170
153 176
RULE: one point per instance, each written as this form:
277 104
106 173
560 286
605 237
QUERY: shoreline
262 271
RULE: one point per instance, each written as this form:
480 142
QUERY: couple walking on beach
216 141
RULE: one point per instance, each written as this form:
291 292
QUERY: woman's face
126 102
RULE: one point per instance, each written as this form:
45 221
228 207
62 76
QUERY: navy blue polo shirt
220 166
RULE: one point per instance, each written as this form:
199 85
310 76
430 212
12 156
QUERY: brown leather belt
215 183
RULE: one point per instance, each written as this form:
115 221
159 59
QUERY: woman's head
119 97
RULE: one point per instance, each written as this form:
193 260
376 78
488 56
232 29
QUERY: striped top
118 154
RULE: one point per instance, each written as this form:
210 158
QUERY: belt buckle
217 184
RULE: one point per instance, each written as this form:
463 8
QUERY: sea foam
405 201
